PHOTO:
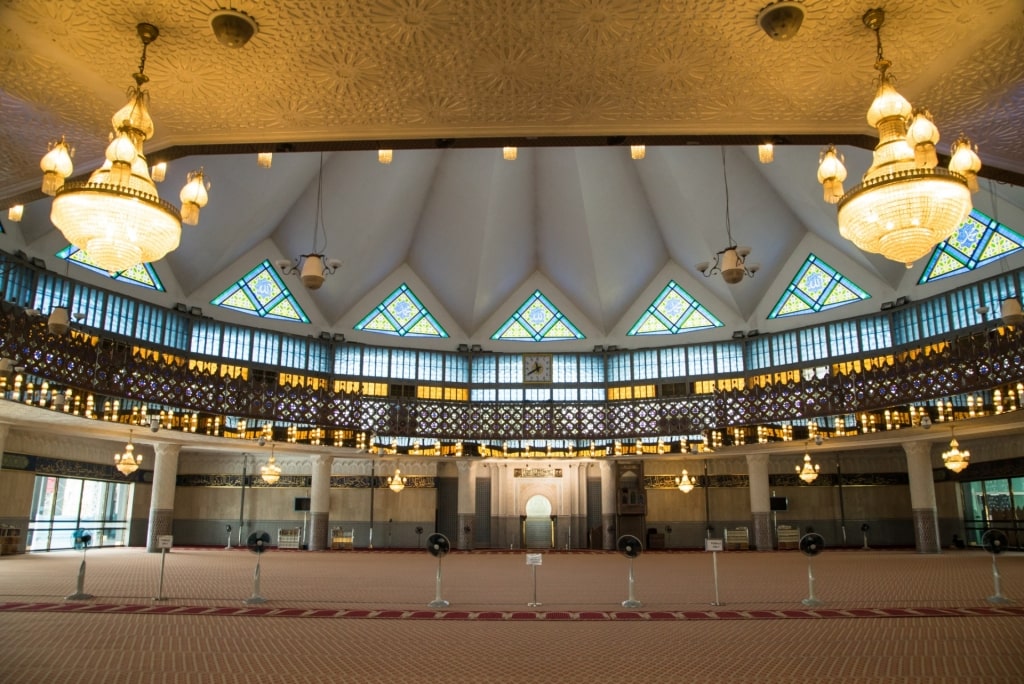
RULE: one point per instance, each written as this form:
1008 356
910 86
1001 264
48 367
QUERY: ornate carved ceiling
446 82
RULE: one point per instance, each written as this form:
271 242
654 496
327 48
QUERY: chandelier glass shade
396 482
127 462
271 472
117 216
954 458
686 482
905 204
808 472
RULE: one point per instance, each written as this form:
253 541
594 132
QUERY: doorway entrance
538 525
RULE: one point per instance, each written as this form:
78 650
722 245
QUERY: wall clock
536 367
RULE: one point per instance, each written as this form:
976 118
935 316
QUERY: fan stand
631 602
998 596
256 598
438 602
866 547
811 599
80 594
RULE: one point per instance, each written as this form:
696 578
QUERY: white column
607 506
467 504
922 496
319 501
161 502
760 501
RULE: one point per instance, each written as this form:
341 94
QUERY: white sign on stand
714 546
533 560
164 542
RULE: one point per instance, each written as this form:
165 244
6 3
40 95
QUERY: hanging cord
319 229
728 223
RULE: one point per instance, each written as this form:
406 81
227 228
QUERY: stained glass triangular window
401 313
261 292
674 311
980 240
143 275
816 287
537 320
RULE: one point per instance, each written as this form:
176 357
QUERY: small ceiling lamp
385 156
264 160
731 261
954 459
905 204
117 216
509 153
637 151
314 266
232 27
396 482
1010 311
781 20
127 462
808 472
158 172
271 472
59 321
16 212
686 482
766 153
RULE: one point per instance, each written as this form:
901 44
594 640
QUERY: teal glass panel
143 275
537 320
980 240
816 287
261 292
672 312
402 314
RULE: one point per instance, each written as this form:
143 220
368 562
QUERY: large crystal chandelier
955 459
271 472
127 462
117 216
905 204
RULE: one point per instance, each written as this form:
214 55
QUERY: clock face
536 367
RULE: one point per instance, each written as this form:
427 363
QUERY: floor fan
994 541
811 544
81 538
438 546
258 542
630 547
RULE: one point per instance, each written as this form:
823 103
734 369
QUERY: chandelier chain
319 229
728 222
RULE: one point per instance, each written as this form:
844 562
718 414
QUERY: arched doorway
538 524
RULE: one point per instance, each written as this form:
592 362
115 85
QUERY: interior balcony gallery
841 427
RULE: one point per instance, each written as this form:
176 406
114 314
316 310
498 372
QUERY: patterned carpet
547 616
886 616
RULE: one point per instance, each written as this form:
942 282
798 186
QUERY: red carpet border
516 615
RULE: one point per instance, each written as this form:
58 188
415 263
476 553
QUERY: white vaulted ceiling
446 83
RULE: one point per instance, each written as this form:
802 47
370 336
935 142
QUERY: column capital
918 448
466 467
166 449
758 458
321 460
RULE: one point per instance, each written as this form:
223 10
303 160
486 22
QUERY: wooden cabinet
10 541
